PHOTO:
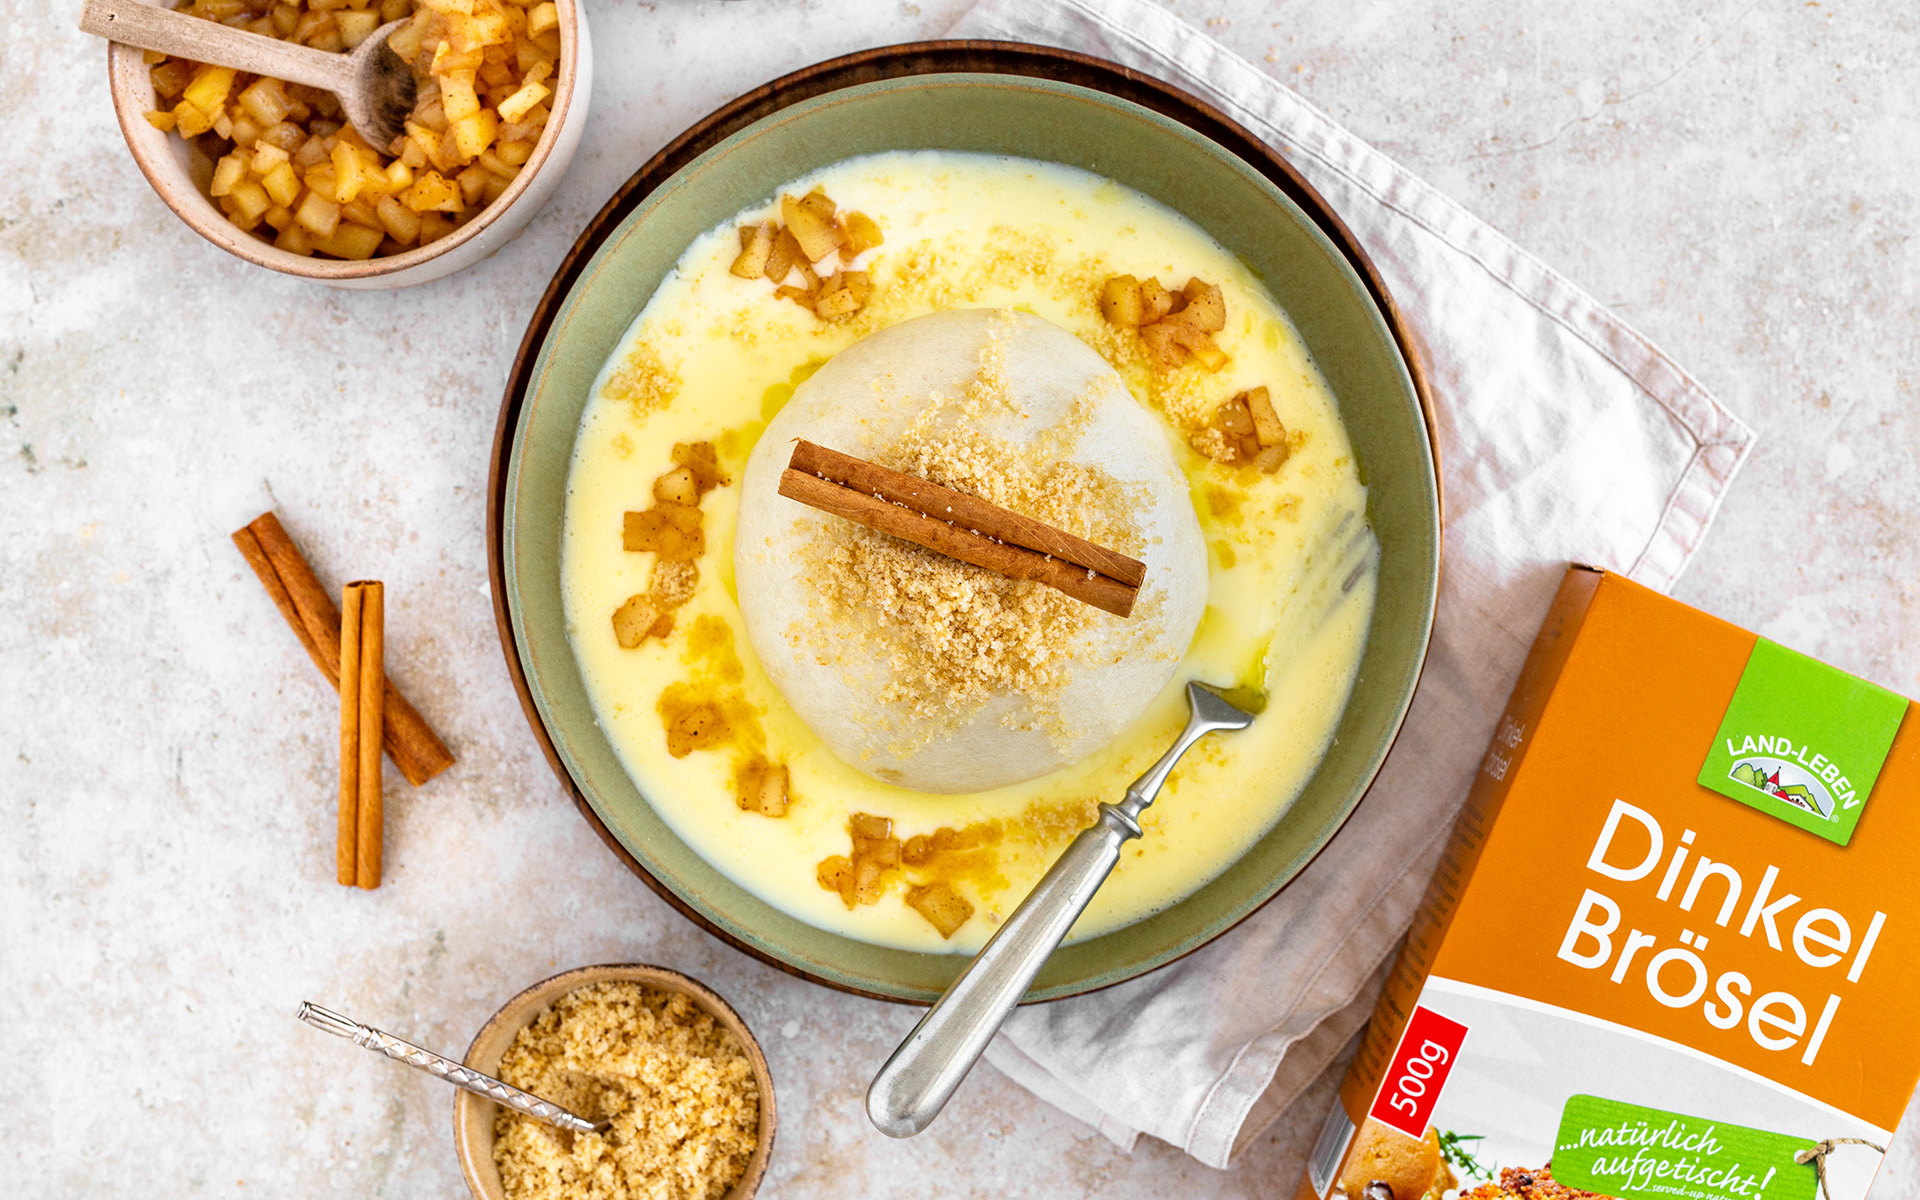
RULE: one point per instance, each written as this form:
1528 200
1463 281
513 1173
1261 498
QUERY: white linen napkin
1564 436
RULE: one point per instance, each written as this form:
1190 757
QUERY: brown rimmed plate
997 98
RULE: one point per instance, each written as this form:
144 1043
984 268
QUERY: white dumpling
853 671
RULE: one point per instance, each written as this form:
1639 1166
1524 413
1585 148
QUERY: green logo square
1803 741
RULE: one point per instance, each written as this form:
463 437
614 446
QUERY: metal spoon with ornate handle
922 1074
453 1072
375 85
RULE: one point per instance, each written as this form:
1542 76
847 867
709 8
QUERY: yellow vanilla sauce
712 357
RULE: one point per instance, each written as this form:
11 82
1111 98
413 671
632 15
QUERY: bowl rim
905 60
473 1115
202 216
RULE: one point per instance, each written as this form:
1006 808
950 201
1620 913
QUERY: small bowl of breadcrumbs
663 1058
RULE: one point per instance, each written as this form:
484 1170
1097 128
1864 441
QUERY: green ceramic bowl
1032 118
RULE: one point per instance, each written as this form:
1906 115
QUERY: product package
1673 949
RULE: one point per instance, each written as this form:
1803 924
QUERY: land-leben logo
1802 741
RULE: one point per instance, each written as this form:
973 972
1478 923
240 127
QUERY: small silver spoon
453 1072
375 85
917 1081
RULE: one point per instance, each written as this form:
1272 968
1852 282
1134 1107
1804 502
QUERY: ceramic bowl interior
473 1116
180 174
1033 118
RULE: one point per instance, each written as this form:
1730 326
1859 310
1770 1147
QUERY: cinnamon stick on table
310 612
961 526
363 682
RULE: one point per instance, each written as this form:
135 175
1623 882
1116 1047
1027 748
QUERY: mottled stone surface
1736 177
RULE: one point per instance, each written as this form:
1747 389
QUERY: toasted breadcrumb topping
643 380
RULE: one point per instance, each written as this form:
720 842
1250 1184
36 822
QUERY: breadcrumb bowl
180 176
473 1116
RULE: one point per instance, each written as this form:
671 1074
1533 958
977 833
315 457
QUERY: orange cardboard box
1673 949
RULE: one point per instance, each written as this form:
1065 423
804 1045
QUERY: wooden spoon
375 86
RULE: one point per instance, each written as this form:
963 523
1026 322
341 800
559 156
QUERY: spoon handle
150 27
454 1073
930 1064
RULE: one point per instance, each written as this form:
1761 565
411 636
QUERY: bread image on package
1673 947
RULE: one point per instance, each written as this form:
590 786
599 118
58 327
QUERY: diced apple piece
698 726
250 199
762 788
1205 308
1156 301
209 89
674 532
433 192
785 253
817 235
473 134
265 157
541 18
162 120
1272 458
282 184
362 213
227 172
1233 418
703 461
318 215
473 183
190 121
1121 302
1167 351
632 621
862 234
516 106
943 907
1201 346
837 305
349 173
677 487
356 26
835 874
401 223
1266 422
351 241
756 248
265 100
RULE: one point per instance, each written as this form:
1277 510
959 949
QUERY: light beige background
1736 176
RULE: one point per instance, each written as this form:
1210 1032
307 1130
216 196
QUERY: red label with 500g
1418 1071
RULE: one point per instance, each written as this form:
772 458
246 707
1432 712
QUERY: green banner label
1803 741
1628 1150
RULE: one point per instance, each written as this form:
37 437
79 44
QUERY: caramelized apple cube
1200 345
1155 300
837 305
943 907
756 247
1121 302
1272 458
862 234
1205 308
677 487
762 787
1266 422
785 253
817 235
1233 418
1163 345
836 875
701 459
